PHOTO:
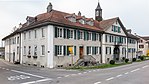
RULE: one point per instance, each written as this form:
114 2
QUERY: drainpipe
101 47
20 49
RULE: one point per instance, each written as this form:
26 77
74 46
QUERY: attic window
82 21
71 18
90 22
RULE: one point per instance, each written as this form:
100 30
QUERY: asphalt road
136 73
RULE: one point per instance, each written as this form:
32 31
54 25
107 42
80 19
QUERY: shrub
134 59
142 58
123 58
139 57
112 62
126 60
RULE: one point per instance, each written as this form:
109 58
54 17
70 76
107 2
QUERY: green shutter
67 50
55 50
75 50
55 32
106 38
64 33
64 50
87 50
68 33
75 34
95 36
119 30
85 35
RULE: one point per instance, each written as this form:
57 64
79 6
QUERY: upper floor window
116 28
29 50
35 32
89 36
18 40
141 46
71 34
42 49
24 35
29 34
43 32
24 50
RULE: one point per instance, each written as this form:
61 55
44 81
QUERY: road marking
119 75
145 66
135 70
110 78
18 77
97 83
42 80
7 69
27 74
0 67
73 74
94 70
3 68
66 75
84 72
126 73
89 71
59 77
79 73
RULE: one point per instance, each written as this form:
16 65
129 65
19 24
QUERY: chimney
79 13
49 8
20 25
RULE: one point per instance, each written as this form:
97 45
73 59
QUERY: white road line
126 73
79 73
7 69
42 80
97 83
3 68
59 77
89 71
66 75
73 74
27 74
94 70
110 78
119 75
0 67
84 72
135 70
145 66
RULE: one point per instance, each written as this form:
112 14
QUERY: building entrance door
81 52
116 52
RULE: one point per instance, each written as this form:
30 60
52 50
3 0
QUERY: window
81 34
24 50
29 50
89 36
35 50
29 36
42 50
17 50
129 50
43 32
71 34
59 32
106 38
108 50
89 50
97 37
18 40
141 46
35 32
24 36
123 50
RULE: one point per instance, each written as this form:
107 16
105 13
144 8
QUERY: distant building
57 38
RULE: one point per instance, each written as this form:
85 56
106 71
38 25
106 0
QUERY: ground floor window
108 50
65 50
93 50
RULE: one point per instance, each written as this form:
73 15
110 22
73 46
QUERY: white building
56 39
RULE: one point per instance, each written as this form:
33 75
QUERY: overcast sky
134 14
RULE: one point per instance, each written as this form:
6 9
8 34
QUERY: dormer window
71 18
90 22
30 20
82 21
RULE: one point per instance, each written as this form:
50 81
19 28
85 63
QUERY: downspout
20 49
101 47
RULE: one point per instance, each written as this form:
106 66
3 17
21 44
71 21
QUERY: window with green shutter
68 33
119 30
55 32
64 50
75 33
75 50
85 35
65 34
55 50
